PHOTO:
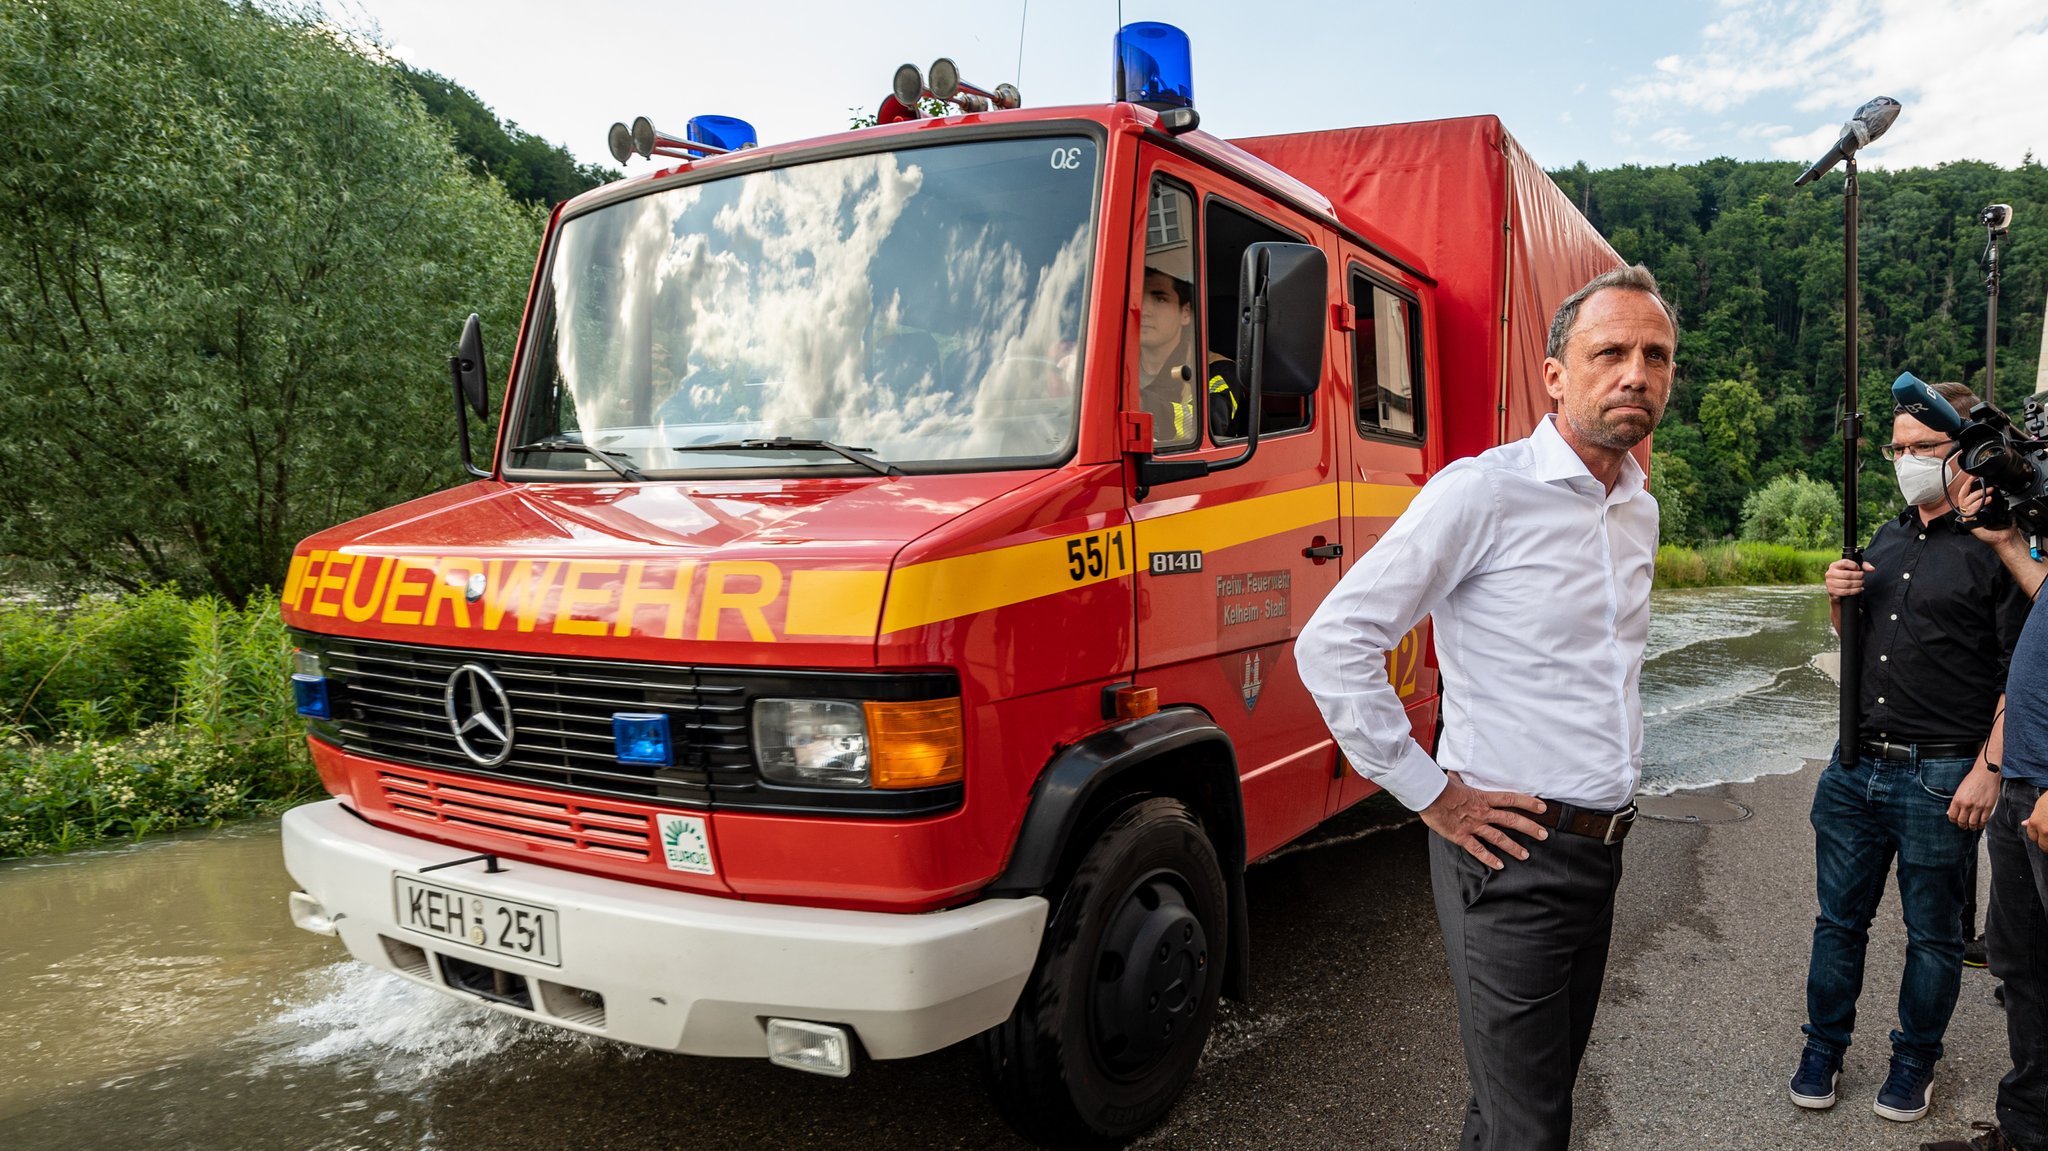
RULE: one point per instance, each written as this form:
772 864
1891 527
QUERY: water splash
361 1017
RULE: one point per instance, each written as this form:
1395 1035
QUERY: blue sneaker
1906 1091
1813 1085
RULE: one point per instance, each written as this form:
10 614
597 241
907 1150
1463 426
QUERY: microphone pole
1996 219
1867 123
1852 427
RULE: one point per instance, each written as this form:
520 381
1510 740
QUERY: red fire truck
869 634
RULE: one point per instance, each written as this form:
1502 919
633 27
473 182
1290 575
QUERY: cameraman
1941 614
2016 930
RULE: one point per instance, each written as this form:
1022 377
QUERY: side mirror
1280 332
472 394
1282 292
468 365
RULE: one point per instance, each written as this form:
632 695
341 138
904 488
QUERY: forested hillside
531 169
1755 267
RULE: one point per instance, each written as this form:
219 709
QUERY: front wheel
1106 1035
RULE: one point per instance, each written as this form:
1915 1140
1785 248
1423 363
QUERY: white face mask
1922 480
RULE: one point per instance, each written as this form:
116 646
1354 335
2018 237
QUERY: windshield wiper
781 443
559 444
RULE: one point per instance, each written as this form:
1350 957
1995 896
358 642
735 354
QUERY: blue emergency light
642 738
728 132
309 697
1154 66
309 685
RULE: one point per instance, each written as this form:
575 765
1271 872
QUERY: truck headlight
812 742
841 743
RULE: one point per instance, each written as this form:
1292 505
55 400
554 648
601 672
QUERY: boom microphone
1867 124
1916 399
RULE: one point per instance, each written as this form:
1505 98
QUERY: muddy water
158 997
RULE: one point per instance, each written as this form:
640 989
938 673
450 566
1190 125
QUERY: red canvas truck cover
1504 243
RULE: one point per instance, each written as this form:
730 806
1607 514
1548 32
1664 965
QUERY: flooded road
158 996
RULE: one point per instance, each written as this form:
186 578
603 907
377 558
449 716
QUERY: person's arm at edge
2012 551
1978 793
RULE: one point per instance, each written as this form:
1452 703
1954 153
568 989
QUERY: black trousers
2016 938
1528 951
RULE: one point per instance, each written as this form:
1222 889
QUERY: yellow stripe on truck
726 599
943 589
939 590
834 603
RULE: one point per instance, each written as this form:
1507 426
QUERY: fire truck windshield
922 307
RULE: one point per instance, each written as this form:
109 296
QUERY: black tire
1107 1033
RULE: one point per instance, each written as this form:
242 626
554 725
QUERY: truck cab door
1225 574
1386 437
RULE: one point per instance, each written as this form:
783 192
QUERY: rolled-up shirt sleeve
1441 539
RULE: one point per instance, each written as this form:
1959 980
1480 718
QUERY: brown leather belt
1606 826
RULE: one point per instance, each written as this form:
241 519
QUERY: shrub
140 714
1794 511
101 666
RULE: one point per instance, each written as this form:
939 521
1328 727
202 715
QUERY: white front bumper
682 972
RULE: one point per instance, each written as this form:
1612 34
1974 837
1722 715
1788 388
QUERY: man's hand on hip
1472 818
1975 797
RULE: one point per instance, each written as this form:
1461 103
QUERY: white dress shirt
1539 582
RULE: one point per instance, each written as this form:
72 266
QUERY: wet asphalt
1351 1040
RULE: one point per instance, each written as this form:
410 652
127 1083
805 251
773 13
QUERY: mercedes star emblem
474 589
479 713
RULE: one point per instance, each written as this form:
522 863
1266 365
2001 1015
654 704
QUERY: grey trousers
1528 951
2016 935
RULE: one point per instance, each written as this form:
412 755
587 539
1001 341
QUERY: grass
125 716
1736 564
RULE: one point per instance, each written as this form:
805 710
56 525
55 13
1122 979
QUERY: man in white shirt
1534 559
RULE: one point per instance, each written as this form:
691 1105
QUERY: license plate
498 925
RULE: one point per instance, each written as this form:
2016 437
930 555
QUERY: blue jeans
1865 817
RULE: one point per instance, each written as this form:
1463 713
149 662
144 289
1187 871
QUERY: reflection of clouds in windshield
796 318
1015 355
1022 346
621 323
867 300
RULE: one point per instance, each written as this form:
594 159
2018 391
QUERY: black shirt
1941 615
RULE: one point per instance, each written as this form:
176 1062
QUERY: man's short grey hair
1627 279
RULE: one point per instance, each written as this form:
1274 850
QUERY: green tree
1794 511
1676 488
233 258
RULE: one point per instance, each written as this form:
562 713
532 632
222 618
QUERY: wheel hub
1149 972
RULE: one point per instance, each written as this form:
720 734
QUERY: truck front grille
389 705
566 823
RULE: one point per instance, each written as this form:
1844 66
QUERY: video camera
1991 448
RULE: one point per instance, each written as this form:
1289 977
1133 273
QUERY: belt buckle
1617 825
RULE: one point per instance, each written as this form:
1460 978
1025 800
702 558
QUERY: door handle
1323 551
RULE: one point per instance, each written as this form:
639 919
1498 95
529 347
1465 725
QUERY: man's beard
1619 435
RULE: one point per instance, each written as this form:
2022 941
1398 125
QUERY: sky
1642 81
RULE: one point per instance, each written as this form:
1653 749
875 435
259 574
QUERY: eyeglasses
1934 448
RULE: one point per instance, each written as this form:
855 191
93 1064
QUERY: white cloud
1676 139
1972 74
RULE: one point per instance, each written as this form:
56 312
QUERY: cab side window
1387 356
1227 231
1169 320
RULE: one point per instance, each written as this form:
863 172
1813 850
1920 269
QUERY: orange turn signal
1130 701
917 744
